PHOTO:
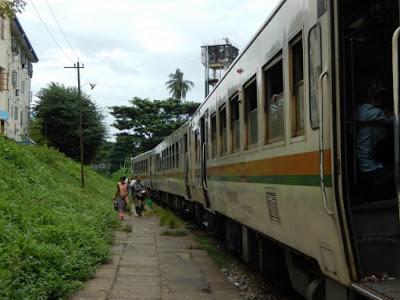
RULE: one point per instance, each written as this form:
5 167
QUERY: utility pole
78 67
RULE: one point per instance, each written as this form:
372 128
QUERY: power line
48 31
60 27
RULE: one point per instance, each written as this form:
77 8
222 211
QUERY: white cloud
130 46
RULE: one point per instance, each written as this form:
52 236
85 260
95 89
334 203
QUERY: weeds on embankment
52 234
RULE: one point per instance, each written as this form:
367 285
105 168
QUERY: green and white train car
269 159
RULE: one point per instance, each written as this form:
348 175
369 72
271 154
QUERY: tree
177 86
57 114
147 122
10 7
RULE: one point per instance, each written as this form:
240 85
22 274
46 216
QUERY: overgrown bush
52 234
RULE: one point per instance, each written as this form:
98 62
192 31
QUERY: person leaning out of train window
373 127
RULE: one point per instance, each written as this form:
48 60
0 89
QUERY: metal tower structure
216 59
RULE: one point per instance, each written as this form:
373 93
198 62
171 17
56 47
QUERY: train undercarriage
272 259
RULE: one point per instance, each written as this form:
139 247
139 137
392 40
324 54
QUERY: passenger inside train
367 29
375 125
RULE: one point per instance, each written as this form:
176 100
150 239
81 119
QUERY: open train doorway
367 130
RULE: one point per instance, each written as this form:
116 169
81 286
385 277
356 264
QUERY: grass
220 257
53 234
167 218
175 233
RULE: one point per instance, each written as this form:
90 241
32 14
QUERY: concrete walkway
147 265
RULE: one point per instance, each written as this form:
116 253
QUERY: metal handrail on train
321 142
395 66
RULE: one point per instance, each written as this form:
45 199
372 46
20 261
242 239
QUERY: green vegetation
177 86
220 257
57 121
52 234
10 7
167 218
175 233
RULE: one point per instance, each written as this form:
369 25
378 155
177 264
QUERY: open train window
176 155
196 146
222 130
250 99
235 125
297 86
213 135
274 102
172 156
315 70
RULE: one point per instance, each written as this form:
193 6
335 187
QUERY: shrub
52 234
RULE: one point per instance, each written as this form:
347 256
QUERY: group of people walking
133 187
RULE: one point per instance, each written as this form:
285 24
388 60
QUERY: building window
297 87
274 102
3 80
23 86
250 98
16 113
14 79
223 130
315 70
213 136
235 129
2 27
2 127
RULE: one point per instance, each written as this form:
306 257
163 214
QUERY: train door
365 33
186 166
204 156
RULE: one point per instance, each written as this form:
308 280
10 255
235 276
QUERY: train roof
142 154
262 27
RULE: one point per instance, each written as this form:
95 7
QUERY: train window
196 146
173 156
222 130
315 70
169 157
274 102
297 86
185 143
177 155
213 136
163 159
250 98
235 129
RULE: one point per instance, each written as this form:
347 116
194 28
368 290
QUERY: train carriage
270 157
141 165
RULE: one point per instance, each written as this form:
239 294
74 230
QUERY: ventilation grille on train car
272 202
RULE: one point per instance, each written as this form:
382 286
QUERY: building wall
5 50
19 93
16 100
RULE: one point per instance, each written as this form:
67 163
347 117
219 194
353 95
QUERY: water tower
216 59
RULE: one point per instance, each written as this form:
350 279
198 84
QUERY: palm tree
177 86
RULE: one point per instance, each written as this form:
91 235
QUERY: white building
16 58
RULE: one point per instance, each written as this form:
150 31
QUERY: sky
128 47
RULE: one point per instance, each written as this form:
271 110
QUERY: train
269 162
